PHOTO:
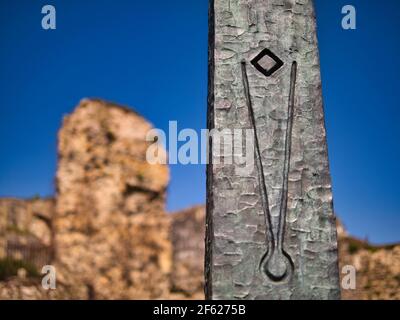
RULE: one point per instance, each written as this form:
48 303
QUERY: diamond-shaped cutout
267 62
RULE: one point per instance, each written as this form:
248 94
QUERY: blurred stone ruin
107 231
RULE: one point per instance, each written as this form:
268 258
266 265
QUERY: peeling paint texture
236 236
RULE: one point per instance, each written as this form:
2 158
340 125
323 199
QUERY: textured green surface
237 229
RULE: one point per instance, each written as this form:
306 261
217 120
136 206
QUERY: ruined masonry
111 229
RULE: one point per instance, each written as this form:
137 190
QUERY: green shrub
9 268
353 247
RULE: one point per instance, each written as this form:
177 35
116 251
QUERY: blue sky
153 56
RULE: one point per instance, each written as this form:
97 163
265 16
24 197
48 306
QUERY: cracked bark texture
236 235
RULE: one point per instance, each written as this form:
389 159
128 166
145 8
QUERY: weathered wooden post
271 232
